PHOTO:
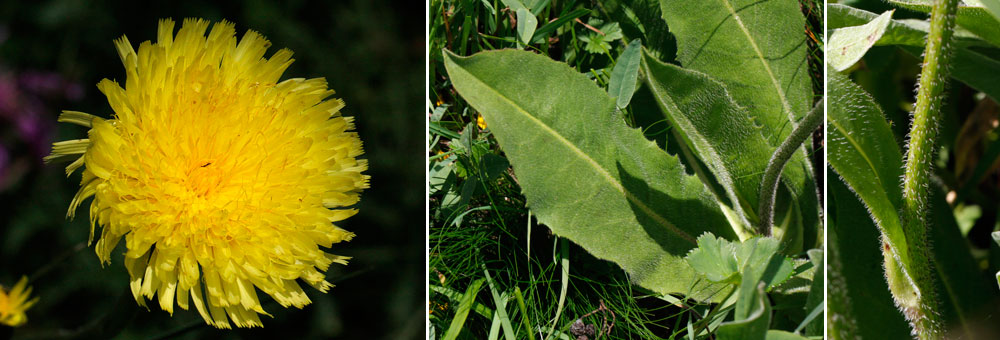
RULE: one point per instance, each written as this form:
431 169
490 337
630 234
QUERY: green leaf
774 334
816 294
756 48
493 165
730 262
907 32
514 5
625 74
863 152
586 174
975 18
968 66
859 305
600 43
752 316
555 24
641 19
456 298
536 6
716 259
993 6
440 177
526 24
726 139
848 44
720 132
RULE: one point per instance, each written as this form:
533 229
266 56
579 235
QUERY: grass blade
564 283
501 310
468 299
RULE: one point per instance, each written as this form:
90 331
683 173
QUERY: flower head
14 302
222 179
481 122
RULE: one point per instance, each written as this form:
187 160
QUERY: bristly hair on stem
921 312
769 185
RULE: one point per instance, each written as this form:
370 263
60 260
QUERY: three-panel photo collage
500 169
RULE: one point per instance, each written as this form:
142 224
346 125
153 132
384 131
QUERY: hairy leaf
752 315
898 32
726 261
848 44
968 66
756 48
726 139
858 302
864 153
973 17
586 174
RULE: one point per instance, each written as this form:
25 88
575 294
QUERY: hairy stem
920 151
769 186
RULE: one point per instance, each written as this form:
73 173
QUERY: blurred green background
53 53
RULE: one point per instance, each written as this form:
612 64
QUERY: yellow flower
14 302
222 179
480 122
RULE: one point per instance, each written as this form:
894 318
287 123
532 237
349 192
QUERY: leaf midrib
600 169
760 55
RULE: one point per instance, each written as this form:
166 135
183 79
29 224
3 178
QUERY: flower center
204 179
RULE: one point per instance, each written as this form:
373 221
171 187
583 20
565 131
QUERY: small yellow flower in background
480 122
14 302
221 179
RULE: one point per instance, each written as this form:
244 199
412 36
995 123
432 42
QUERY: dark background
53 53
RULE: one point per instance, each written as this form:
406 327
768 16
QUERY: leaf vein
763 60
594 164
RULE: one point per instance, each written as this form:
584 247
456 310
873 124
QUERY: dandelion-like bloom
14 302
222 180
481 122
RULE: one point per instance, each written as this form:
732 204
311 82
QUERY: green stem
769 186
920 151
